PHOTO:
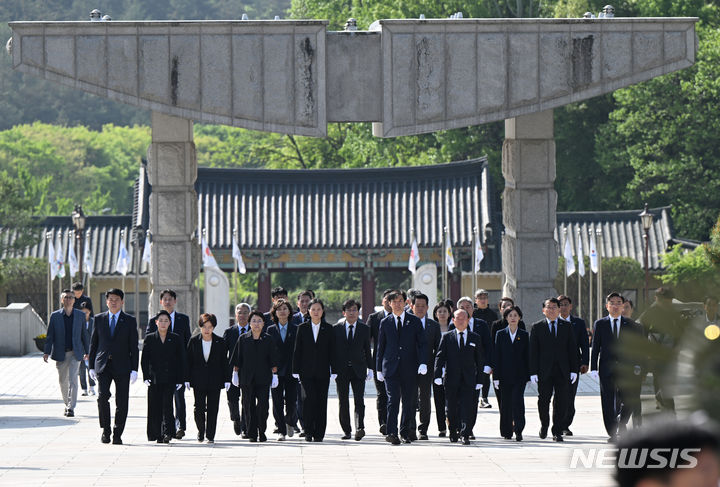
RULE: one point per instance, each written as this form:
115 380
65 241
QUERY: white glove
380 376
275 381
187 385
92 373
478 387
573 377
333 376
496 383
369 375
534 379
296 376
178 387
227 386
438 381
487 370
235 379
133 376
594 374
147 382
422 370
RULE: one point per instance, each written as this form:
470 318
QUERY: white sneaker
281 438
92 391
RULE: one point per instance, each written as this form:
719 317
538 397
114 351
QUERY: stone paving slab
39 446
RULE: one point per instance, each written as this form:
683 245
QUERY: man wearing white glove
419 303
113 356
402 349
352 360
553 356
461 354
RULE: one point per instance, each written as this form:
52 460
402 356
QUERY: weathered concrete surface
407 76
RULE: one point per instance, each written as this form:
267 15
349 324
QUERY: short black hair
161 313
631 303
78 286
66 291
565 296
551 300
168 291
510 310
614 294
278 291
322 305
116 292
412 292
394 294
349 304
419 295
386 292
256 313
205 318
307 293
505 298
86 305
441 304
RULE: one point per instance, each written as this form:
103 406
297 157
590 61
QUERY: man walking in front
114 358
67 344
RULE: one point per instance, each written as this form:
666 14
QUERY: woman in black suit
255 361
511 372
208 373
163 368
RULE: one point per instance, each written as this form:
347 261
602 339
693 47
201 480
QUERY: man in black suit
553 362
460 354
373 323
583 343
312 361
608 333
482 309
352 361
231 335
284 396
80 297
419 304
180 325
401 356
114 358
303 301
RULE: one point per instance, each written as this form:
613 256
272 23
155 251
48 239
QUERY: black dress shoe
383 429
543 432
558 438
317 439
518 436
442 434
262 438
160 441
167 438
466 440
210 441
237 427
406 440
200 437
244 436
70 413
423 437
453 438
472 436
308 439
393 439
346 436
116 440
252 439
359 434
412 437
507 437
302 434
180 434
105 438
567 433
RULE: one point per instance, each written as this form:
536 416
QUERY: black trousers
472 419
122 389
440 414
180 412
572 392
381 400
160 420
284 398
256 403
558 383
461 408
84 380
425 383
299 405
314 398
233 400
485 381
609 401
205 410
401 389
512 408
343 383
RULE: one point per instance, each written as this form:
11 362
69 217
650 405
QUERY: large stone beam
407 76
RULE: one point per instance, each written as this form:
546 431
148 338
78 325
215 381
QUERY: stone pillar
264 301
368 290
529 252
175 253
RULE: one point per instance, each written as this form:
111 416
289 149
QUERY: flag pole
443 258
49 282
598 246
590 277
474 260
565 271
86 275
122 238
71 236
235 268
580 256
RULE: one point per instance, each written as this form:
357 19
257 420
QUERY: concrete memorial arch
406 76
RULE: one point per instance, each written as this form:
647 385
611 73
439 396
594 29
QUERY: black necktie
112 326
554 330
350 333
615 328
462 340
399 324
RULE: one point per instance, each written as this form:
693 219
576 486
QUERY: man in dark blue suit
231 336
114 357
180 325
583 344
401 356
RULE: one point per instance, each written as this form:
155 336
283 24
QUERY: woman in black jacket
255 361
208 373
163 368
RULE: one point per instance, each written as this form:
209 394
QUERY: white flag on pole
59 260
414 256
123 262
51 260
449 259
569 261
237 255
479 255
72 259
581 257
87 259
593 256
146 250
208 259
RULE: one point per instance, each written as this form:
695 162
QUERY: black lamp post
646 218
79 219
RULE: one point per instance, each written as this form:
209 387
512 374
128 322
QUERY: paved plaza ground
39 446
